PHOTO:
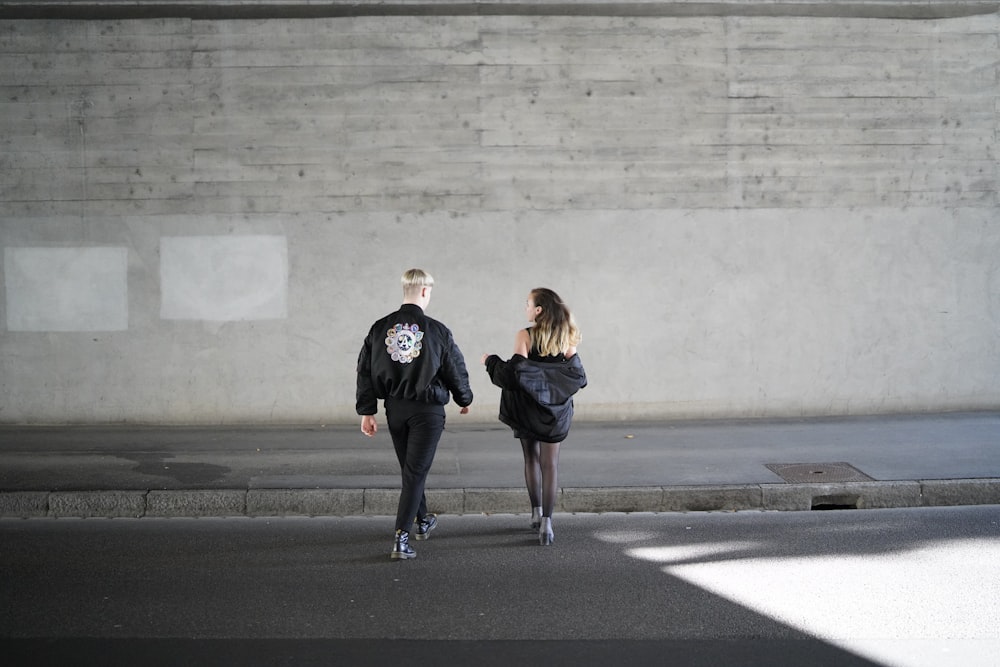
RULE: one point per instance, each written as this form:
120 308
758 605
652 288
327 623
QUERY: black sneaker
425 526
401 547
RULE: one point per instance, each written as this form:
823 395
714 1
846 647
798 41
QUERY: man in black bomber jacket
412 363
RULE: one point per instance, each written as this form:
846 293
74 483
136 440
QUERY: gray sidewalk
862 462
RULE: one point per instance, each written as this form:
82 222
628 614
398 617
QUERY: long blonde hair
555 330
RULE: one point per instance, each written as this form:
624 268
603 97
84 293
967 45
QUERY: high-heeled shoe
545 534
536 518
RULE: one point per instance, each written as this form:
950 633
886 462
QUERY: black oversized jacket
537 396
412 357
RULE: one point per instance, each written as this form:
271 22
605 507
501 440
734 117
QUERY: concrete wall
750 215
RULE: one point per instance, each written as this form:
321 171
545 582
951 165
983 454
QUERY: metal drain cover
798 473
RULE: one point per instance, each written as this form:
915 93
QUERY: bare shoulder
522 342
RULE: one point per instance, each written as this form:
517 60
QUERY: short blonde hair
415 279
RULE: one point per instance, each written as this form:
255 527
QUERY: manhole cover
797 473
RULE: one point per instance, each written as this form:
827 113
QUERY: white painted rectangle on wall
224 278
66 289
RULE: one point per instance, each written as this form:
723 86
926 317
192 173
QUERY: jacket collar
411 308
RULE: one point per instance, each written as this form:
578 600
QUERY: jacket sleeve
366 401
501 373
455 375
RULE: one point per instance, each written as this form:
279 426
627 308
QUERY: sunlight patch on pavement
932 606
624 537
689 552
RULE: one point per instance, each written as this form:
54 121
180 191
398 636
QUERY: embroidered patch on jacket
402 342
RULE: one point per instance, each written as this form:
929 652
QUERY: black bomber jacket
412 357
537 396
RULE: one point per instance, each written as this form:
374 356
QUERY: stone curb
382 502
105 504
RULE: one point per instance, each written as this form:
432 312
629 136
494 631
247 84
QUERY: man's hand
368 425
464 411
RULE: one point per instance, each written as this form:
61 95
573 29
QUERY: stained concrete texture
912 461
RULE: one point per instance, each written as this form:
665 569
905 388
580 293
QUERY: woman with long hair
538 384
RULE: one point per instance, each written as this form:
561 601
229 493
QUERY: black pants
415 429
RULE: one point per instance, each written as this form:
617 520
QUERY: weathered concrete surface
269 9
346 502
931 460
751 215
195 503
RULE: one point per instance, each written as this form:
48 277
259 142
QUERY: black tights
541 473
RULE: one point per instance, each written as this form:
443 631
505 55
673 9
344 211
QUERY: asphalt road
907 587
